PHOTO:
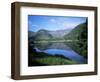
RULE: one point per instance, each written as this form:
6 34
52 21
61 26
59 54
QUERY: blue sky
51 23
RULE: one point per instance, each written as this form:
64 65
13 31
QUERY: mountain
45 34
42 35
59 33
31 33
78 33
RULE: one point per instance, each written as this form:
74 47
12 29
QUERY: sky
53 23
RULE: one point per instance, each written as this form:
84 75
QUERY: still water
59 49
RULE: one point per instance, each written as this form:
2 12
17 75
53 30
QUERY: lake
59 48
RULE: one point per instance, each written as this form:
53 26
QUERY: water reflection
60 48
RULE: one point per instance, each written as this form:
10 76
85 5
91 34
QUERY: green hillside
78 33
78 36
42 35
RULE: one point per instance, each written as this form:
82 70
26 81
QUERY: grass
52 60
44 59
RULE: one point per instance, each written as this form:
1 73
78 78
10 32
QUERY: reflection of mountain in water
60 45
42 46
60 49
51 45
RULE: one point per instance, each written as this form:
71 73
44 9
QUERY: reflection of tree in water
79 47
52 45
79 33
42 46
60 45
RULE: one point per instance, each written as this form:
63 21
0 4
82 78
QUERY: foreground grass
56 61
44 59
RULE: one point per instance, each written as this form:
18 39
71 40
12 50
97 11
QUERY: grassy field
56 61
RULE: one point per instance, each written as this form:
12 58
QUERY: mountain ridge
54 34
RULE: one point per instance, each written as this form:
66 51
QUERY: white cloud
34 25
52 20
70 25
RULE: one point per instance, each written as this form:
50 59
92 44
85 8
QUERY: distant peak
42 30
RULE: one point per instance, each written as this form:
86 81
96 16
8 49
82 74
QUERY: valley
59 47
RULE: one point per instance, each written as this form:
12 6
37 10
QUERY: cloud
70 25
33 25
52 20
